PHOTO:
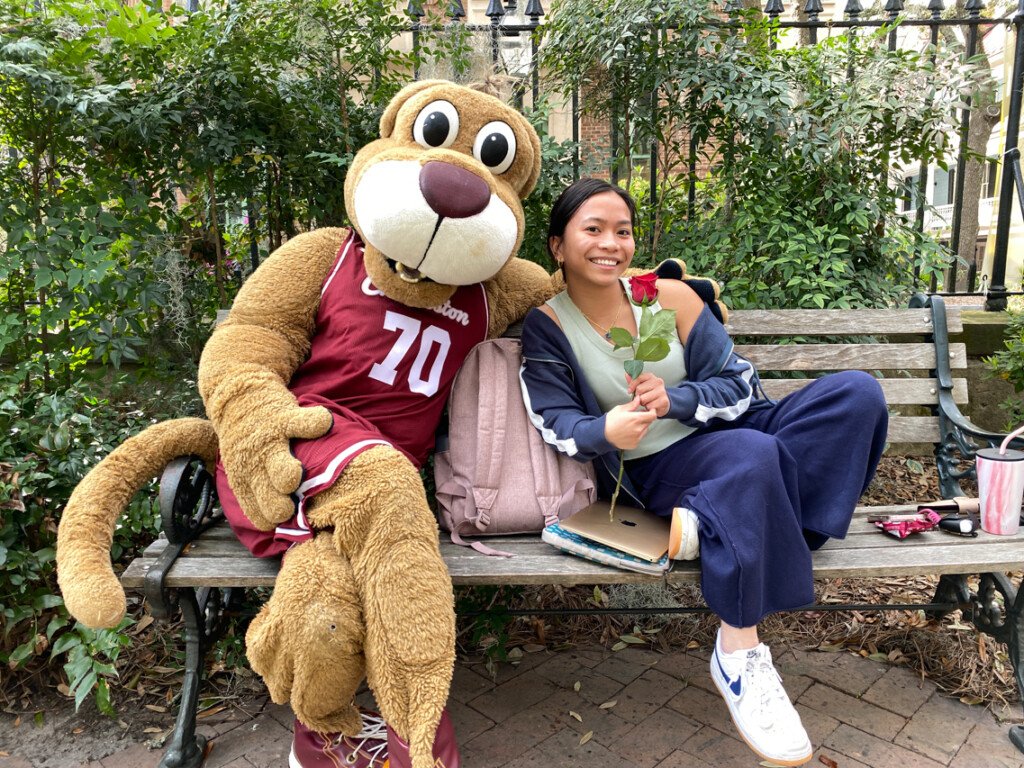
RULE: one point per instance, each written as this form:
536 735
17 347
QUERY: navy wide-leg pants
769 488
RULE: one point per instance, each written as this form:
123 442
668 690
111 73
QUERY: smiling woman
750 486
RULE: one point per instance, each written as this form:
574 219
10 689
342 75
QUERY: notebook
636 540
636 532
574 544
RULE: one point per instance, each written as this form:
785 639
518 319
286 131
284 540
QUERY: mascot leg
307 641
382 523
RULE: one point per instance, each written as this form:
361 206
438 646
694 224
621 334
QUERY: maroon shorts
323 460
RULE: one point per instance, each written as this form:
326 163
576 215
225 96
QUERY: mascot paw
307 641
261 469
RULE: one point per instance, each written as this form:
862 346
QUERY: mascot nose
453 192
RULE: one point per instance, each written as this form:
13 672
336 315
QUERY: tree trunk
218 273
984 117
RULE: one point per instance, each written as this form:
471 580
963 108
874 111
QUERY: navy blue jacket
720 386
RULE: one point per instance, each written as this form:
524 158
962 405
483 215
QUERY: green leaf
661 325
633 367
621 337
652 350
103 703
64 642
83 687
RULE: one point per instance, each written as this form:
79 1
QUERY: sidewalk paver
660 711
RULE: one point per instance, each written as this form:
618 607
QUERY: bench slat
836 322
897 391
841 357
865 552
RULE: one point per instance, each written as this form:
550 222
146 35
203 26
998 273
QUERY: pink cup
1001 487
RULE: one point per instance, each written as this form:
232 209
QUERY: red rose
644 289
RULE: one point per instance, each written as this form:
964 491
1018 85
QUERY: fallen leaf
152 730
4 754
827 761
830 648
971 700
879 657
534 648
609 704
692 645
575 715
155 708
77 731
576 685
17 721
62 688
632 639
586 737
209 712
619 646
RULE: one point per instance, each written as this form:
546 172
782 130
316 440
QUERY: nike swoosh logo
736 686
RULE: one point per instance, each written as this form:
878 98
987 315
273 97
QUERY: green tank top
602 368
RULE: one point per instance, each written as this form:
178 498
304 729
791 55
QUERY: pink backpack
497 475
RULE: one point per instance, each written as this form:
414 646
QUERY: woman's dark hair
574 196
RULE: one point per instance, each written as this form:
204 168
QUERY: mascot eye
436 125
495 146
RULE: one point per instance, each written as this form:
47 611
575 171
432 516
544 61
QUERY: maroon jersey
391 364
383 369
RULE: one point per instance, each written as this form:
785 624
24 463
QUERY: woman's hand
651 391
625 425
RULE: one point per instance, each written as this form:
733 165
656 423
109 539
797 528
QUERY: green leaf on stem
662 324
652 350
634 367
621 337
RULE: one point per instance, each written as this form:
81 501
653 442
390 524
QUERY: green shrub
1008 364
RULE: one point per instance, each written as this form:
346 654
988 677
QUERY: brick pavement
650 710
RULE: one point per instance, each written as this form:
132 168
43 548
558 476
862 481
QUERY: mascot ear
269 657
387 120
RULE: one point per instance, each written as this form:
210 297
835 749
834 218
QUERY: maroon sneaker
446 750
367 749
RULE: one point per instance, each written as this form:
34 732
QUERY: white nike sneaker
683 541
759 705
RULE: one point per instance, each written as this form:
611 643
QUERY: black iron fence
508 20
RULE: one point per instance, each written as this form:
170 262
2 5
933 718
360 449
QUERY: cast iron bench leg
998 610
1015 621
186 748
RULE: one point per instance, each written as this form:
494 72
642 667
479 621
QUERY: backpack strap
492 416
479 546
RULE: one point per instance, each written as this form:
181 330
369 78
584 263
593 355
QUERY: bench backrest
894 345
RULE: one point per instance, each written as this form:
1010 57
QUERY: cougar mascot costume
323 390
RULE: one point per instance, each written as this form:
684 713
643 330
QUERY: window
990 184
943 187
911 186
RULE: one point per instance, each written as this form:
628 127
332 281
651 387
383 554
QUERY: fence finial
456 11
534 10
813 9
853 9
495 10
774 8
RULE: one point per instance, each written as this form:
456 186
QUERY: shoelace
762 677
374 730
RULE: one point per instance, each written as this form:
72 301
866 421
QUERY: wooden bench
198 567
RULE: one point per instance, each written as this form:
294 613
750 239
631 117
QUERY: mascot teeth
408 274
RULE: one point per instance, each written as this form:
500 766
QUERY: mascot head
436 198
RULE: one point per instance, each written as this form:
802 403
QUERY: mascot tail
91 591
